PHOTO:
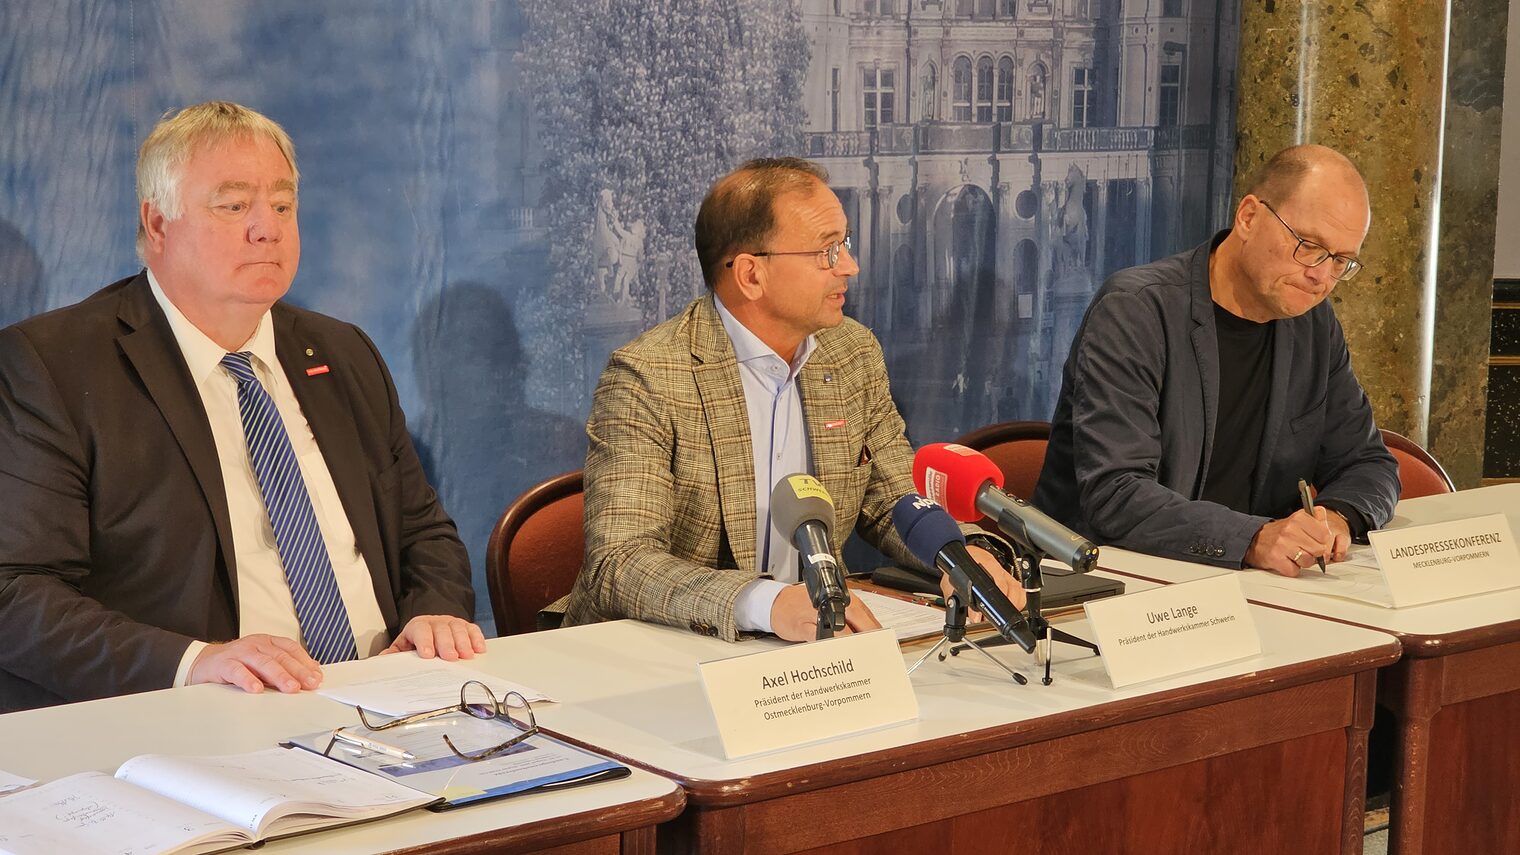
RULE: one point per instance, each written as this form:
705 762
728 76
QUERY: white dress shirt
778 436
264 601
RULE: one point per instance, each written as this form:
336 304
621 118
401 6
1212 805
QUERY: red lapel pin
319 369
837 423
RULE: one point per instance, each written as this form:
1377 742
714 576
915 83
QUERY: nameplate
808 692
1172 630
1442 561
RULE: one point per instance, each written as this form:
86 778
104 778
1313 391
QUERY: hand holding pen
1308 499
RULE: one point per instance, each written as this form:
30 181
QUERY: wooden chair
535 552
1419 473
1018 448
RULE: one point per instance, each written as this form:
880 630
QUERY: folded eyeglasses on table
476 700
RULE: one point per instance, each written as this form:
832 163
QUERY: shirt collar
203 355
748 346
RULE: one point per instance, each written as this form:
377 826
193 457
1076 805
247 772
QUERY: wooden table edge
708 793
562 830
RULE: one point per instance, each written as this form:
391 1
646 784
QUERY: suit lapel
156 357
716 371
320 394
1206 355
823 405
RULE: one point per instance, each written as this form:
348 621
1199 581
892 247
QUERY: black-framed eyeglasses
477 701
829 254
1310 254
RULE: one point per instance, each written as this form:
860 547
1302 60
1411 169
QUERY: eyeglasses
477 701
829 255
1310 254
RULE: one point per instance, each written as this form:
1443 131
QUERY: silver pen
371 745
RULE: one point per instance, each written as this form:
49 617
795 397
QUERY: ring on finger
1297 555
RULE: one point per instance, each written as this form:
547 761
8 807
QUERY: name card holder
1172 630
808 692
1443 561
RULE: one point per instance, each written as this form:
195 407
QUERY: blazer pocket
386 482
1312 417
860 475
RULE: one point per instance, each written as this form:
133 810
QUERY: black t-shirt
1245 378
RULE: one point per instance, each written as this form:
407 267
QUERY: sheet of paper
254 790
1357 578
9 782
401 683
906 620
94 812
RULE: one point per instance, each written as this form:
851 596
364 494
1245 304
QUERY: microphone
802 510
969 485
933 538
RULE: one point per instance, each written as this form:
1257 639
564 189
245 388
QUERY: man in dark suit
1202 387
202 484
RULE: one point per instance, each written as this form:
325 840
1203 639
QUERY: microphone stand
955 633
1027 558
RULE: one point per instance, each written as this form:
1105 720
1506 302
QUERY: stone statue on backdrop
1071 251
616 250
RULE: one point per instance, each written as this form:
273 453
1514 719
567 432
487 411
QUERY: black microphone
802 510
933 538
971 487
1017 518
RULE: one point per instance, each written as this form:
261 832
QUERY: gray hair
162 158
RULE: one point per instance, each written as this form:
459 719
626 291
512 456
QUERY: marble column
1465 263
1367 79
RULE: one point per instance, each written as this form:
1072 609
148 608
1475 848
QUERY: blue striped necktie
308 569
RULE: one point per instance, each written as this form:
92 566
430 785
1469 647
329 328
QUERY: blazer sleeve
56 637
433 572
1116 442
631 568
891 475
1354 467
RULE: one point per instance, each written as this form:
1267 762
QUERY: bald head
1300 166
1307 206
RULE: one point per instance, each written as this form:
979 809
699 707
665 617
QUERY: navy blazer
115 540
1134 426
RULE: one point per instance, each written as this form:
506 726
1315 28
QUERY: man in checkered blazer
696 420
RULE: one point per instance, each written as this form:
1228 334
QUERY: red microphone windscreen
952 475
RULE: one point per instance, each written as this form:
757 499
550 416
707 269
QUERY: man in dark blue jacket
1202 387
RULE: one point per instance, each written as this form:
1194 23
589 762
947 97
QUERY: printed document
158 804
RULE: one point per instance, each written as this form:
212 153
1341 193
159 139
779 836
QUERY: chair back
535 552
1018 449
1419 473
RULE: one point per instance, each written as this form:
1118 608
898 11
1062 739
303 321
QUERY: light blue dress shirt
778 434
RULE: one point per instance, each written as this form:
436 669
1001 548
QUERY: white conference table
607 817
1455 691
1264 754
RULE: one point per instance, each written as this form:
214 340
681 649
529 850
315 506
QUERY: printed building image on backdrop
500 192
996 161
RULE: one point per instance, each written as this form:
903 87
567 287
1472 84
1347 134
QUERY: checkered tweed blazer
670 485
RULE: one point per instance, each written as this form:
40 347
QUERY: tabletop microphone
969 485
933 538
803 511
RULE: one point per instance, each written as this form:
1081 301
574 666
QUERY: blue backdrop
501 191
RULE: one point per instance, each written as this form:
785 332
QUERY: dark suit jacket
1134 425
115 543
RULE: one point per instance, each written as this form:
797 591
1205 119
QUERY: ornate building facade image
997 159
